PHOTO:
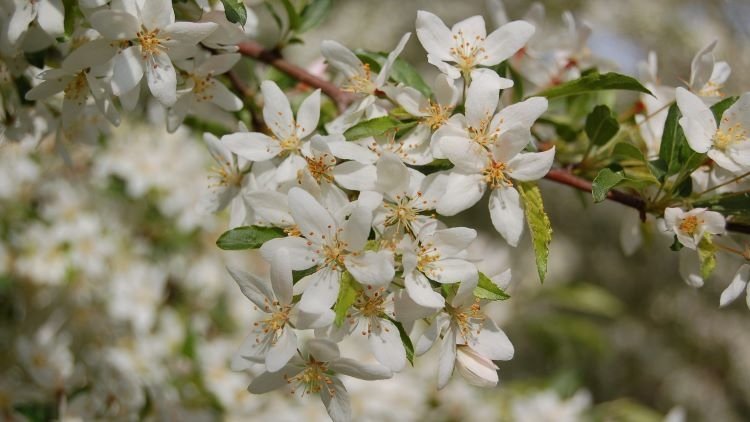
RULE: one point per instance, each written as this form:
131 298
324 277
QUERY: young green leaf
735 203
373 127
605 181
292 15
401 72
486 289
313 14
248 237
235 11
719 108
594 81
347 297
601 125
707 255
538 223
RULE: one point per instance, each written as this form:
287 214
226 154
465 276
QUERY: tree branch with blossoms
348 209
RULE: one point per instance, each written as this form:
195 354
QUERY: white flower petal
255 289
51 17
323 350
385 343
698 121
306 320
314 221
252 146
492 342
453 271
115 25
702 66
385 70
420 292
127 70
308 115
434 36
356 176
451 242
276 111
482 96
363 371
341 58
690 269
337 401
505 41
223 97
475 368
269 381
531 165
321 292
447 358
162 78
370 267
506 214
282 351
356 229
301 256
156 13
393 177
467 155
736 287
281 276
461 193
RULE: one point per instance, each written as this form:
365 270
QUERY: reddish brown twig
257 52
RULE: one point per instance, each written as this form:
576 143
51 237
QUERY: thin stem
742 176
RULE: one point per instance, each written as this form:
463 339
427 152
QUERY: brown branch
247 94
567 178
343 99
257 52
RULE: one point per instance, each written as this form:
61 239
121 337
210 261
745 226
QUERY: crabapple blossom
690 226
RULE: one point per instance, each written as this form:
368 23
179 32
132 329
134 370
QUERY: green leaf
605 181
401 71
292 15
707 255
563 130
628 151
601 125
737 203
539 225
298 275
675 150
248 237
347 297
373 127
719 108
274 15
313 14
408 346
594 81
676 245
486 289
235 11
435 166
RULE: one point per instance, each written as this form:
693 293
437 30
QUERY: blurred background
115 302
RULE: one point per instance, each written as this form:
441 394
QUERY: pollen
150 42
723 139
495 175
689 225
77 89
371 305
361 83
202 86
321 167
312 380
437 115
467 52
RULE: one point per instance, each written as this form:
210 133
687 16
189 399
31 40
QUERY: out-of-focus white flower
547 406
47 357
738 285
49 16
707 76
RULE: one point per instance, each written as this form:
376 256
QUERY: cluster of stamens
494 175
76 90
426 255
201 86
150 42
320 167
467 52
468 320
689 225
277 319
711 89
402 213
480 135
437 115
360 83
370 305
312 380
333 252
723 139
223 175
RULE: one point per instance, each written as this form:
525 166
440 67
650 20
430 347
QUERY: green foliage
539 224
605 181
735 203
235 11
601 125
592 82
347 297
248 237
313 14
292 15
486 289
719 108
374 127
707 255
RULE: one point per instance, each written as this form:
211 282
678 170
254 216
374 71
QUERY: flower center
312 379
438 115
224 176
201 86
291 144
724 139
361 83
321 167
480 135
468 320
711 89
426 255
150 41
372 305
495 176
467 52
334 253
76 90
278 317
689 225
401 214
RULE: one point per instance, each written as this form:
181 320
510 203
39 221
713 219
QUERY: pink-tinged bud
475 368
